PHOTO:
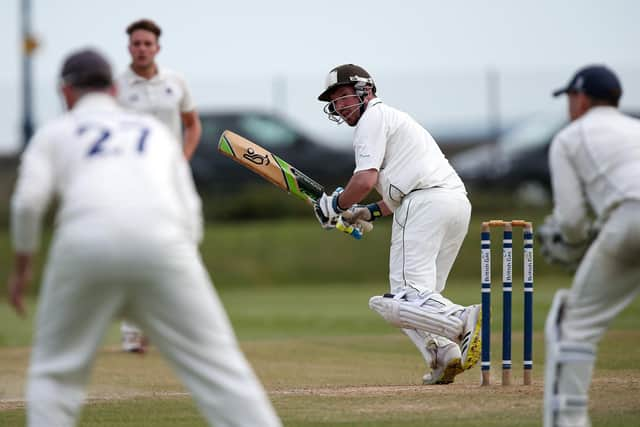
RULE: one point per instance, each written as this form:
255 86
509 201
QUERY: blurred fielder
400 159
595 174
146 87
125 243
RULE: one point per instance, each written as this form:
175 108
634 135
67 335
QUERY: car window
532 132
268 131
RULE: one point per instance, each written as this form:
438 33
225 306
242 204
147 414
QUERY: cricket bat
281 174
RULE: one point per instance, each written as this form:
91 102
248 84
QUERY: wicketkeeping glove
327 209
556 250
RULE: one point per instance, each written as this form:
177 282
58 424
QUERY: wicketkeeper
595 174
401 160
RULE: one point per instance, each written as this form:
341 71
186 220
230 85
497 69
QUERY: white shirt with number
108 167
124 245
165 96
403 152
595 165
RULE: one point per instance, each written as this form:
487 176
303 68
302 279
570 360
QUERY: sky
453 65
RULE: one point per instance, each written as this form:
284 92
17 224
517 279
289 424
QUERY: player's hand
327 209
360 225
17 286
359 213
556 250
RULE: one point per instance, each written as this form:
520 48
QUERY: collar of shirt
96 101
373 102
602 109
133 78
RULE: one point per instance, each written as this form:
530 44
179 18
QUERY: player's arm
344 202
358 187
570 205
32 194
192 132
370 144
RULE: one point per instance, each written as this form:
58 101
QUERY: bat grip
349 229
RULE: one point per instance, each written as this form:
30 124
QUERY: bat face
255 158
280 173
269 166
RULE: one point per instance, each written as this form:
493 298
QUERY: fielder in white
400 159
146 87
595 172
125 243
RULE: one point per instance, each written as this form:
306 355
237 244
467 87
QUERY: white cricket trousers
608 278
607 281
428 230
160 283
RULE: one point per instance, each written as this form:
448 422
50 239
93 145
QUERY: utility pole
29 45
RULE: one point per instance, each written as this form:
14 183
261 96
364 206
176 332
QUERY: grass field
298 302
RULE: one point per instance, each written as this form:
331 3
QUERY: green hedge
261 236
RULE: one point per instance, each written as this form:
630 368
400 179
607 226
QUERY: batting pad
418 315
568 372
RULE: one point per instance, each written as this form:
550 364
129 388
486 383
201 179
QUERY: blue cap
86 68
596 81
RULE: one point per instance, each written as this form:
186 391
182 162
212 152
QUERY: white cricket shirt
403 152
110 168
165 96
595 165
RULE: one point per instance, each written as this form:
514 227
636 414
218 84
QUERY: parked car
214 172
518 161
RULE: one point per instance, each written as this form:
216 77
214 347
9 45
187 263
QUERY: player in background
125 243
149 88
595 176
431 212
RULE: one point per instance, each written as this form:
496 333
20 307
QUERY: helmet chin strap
362 93
363 106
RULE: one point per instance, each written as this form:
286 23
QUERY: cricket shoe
133 342
471 342
446 363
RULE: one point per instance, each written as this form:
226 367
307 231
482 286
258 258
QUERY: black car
214 172
517 161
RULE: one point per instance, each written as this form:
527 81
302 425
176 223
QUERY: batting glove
328 210
366 213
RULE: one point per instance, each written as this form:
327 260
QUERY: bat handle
349 229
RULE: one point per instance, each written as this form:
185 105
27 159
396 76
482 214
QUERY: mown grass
297 297
327 360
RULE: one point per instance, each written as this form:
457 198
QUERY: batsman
428 200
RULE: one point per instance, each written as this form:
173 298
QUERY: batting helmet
347 74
